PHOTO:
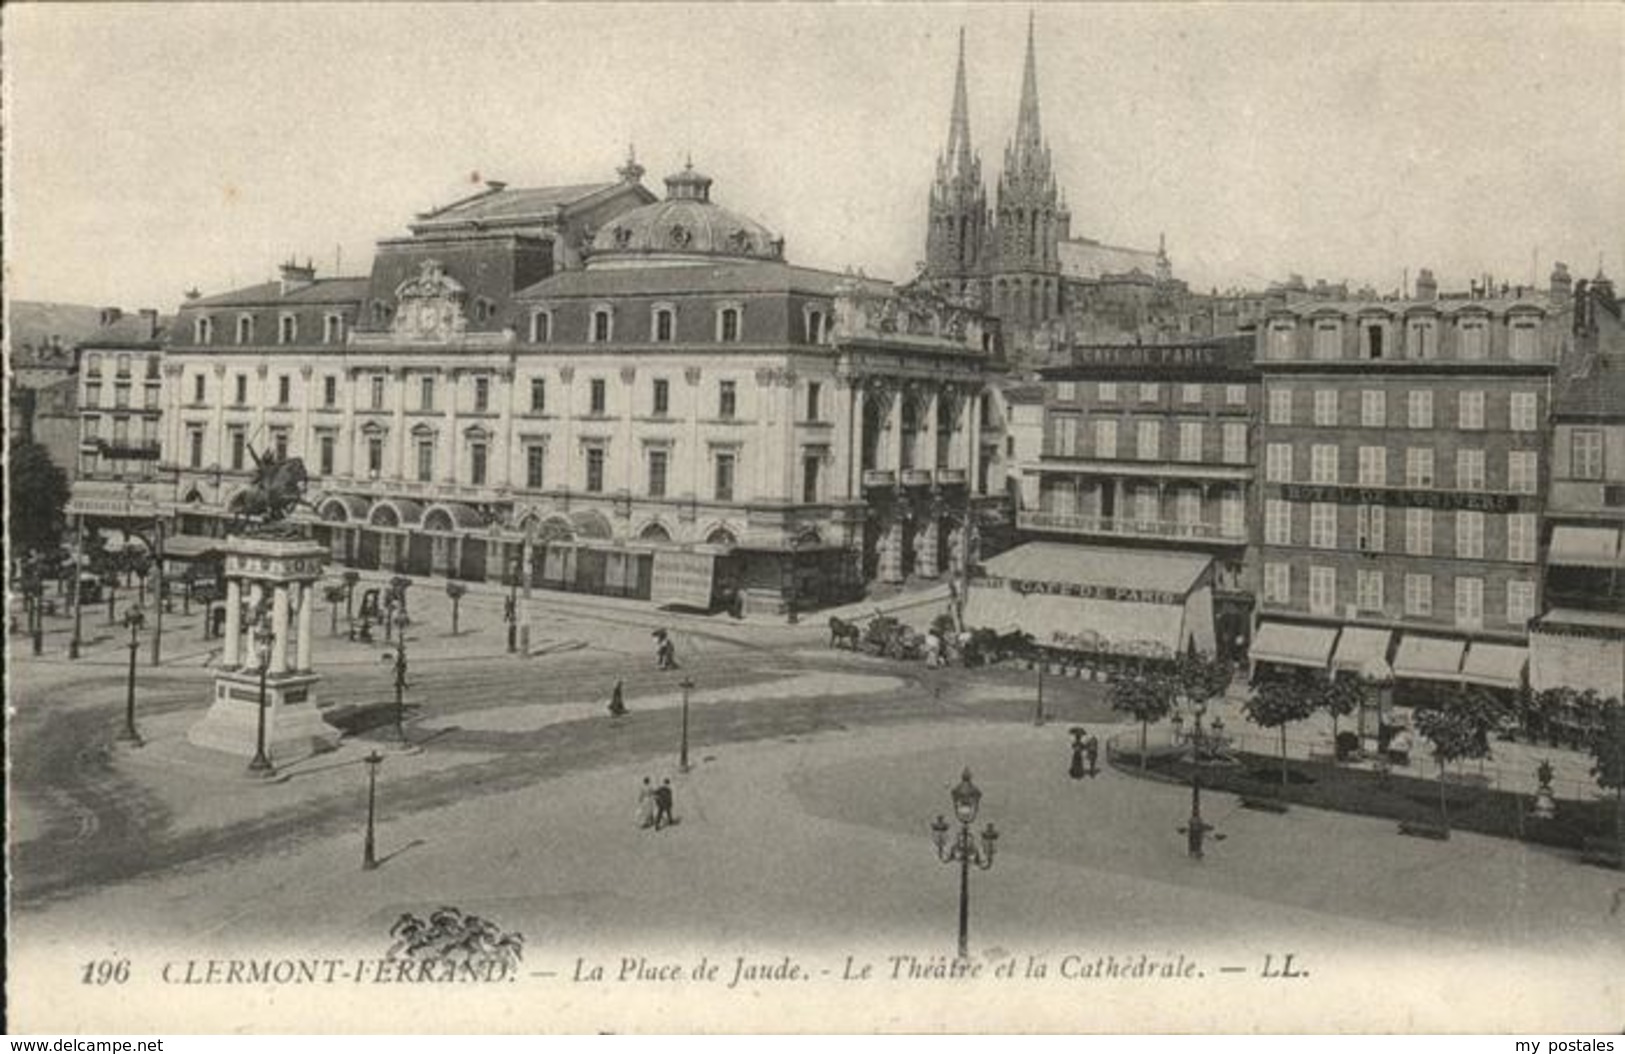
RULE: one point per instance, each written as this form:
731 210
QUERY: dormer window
603 325
1473 338
1525 334
1328 339
381 313
245 329
663 324
541 327
93 365
728 323
203 330
287 329
483 309
1422 338
1281 338
333 329
815 326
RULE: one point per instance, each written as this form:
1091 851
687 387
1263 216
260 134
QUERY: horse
278 487
843 634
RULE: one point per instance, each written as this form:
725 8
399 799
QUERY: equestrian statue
278 487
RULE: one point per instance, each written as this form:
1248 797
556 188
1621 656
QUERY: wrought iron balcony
1038 520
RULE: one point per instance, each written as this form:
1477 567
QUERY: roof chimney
149 322
296 275
111 315
1427 287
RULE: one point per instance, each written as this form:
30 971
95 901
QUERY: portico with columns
271 585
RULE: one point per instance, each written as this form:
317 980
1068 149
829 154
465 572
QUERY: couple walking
654 804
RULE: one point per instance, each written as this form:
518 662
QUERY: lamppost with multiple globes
687 685
133 619
264 637
369 854
965 848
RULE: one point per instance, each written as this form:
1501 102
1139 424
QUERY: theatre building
619 394
1404 472
1578 642
1149 449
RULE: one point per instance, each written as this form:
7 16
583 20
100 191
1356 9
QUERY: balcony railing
879 477
916 477
1060 521
951 475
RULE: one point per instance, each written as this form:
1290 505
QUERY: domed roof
683 227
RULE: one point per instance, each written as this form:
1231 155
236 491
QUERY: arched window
245 329
663 324
603 325
729 323
287 329
203 330
541 327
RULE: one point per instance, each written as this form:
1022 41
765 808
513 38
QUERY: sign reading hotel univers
1422 499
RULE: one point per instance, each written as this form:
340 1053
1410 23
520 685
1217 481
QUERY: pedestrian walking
646 803
1091 747
1076 769
617 702
663 802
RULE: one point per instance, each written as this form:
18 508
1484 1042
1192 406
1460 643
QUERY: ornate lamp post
369 855
687 685
397 655
134 620
264 636
965 848
510 609
1038 713
1202 741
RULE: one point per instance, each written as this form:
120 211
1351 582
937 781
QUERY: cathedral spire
1029 135
958 153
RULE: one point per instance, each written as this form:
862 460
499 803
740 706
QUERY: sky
154 148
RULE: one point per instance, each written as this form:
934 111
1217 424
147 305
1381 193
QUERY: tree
1339 697
1456 734
1608 750
1144 695
1278 703
455 591
37 502
1199 678
334 595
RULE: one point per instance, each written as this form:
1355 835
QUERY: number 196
106 971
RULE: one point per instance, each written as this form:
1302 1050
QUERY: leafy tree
1456 733
37 499
1278 703
1608 751
334 595
1199 677
1339 697
1144 695
455 590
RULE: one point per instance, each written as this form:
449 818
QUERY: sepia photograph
814 518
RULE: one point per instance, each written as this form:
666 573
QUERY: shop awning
1497 665
1569 648
1429 658
1102 569
1362 649
1078 623
191 546
1294 645
1584 547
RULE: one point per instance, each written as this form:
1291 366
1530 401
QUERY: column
925 547
399 419
973 441
695 454
279 628
350 465
891 547
449 423
217 419
502 444
894 435
303 441
856 403
234 623
931 435
567 466
629 452
307 597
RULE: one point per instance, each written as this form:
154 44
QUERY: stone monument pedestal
270 600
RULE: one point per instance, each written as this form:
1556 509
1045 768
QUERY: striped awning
1429 658
1084 624
1584 547
1496 665
1294 645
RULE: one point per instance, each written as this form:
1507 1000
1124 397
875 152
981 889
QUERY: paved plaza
803 830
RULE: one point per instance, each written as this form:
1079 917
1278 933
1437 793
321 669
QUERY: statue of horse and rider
277 488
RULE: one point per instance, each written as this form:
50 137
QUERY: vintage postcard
815 518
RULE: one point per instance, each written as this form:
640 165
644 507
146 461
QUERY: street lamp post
369 855
398 655
1197 829
965 848
133 619
161 599
1038 715
263 637
687 685
78 571
510 612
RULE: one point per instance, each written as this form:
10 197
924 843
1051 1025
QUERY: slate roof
758 277
507 204
321 291
130 330
1597 392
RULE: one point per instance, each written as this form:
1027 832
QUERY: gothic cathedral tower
957 232
1031 219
